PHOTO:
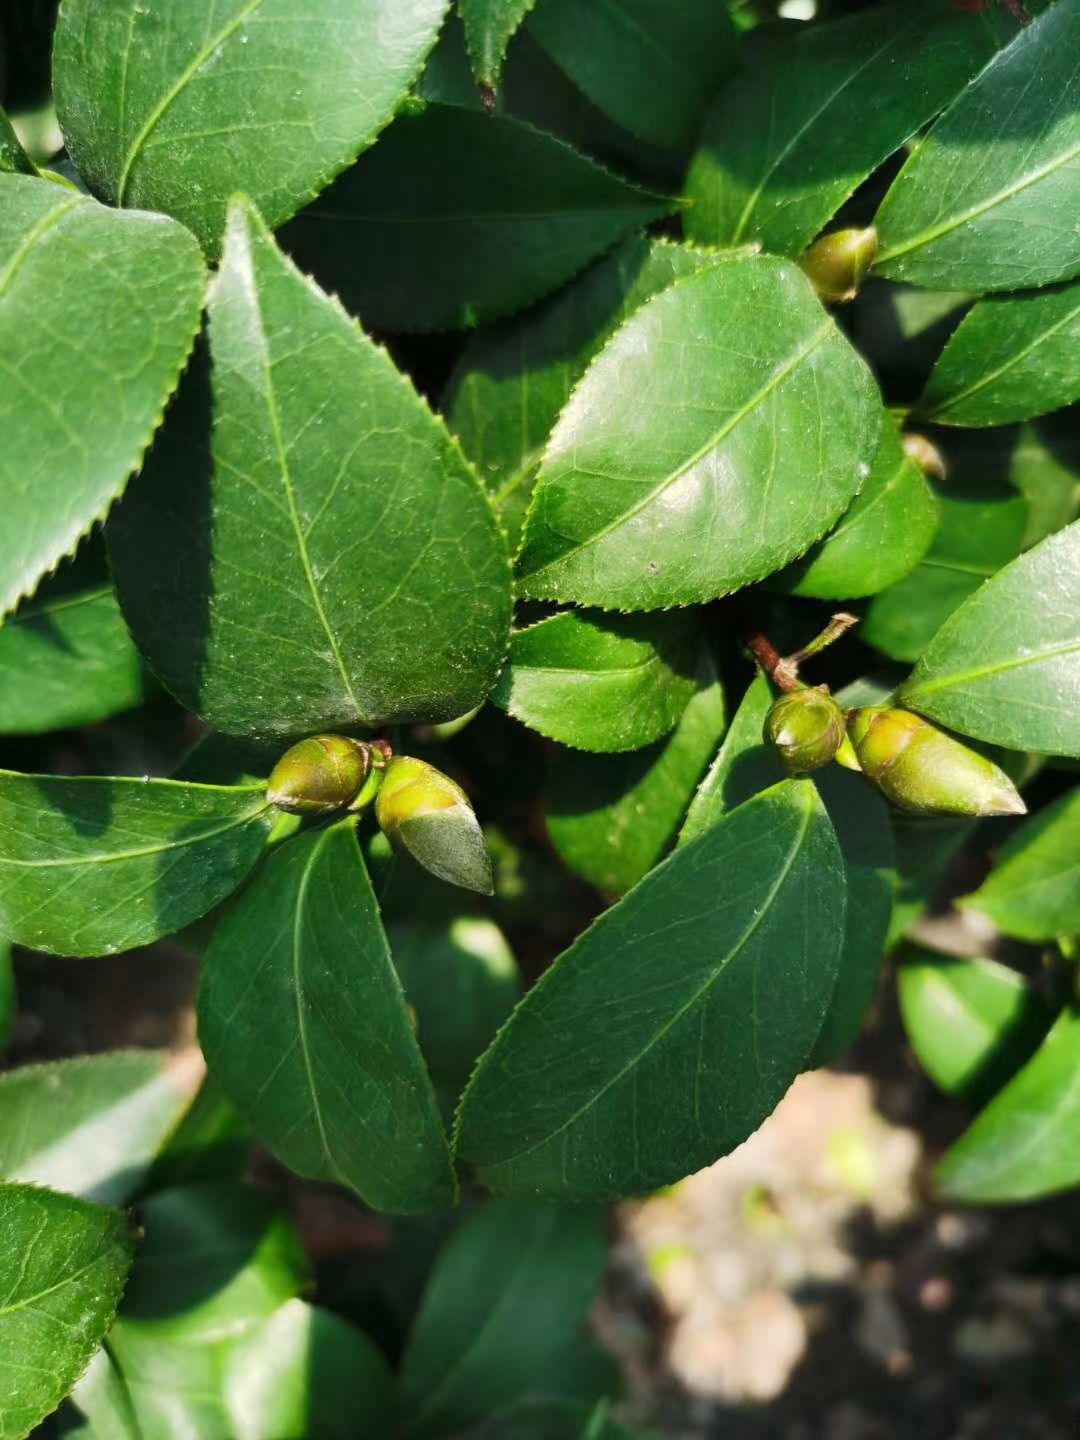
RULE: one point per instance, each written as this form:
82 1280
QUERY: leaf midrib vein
69 862
980 672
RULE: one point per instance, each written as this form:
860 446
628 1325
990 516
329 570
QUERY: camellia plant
441 438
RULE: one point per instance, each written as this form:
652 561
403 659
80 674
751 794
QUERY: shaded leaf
303 1021
1005 667
1033 892
13 158
8 998
176 107
88 367
341 566
90 866
489 28
456 218
677 471
743 766
978 205
63 1269
714 975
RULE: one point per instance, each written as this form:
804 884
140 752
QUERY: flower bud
920 768
422 811
925 454
806 727
319 775
837 264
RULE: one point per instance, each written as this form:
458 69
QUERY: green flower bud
920 768
807 729
837 264
422 811
319 775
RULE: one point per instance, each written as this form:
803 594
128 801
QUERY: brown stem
770 660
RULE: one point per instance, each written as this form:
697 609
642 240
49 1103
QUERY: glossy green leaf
303 1021
89 866
461 982
612 818
1024 1144
971 1022
980 528
1033 892
978 205
1011 358
1005 667
90 1126
456 218
678 470
87 367
880 538
509 1292
177 106
601 682
791 137
63 1267
13 158
513 379
489 28
744 927
341 566
649 65
743 766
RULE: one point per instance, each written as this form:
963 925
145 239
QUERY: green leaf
489 28
461 981
513 379
971 1023
601 682
65 1263
90 866
743 766
303 1021
1023 1144
978 205
649 65
456 218
8 997
881 537
790 138
87 365
509 1293
66 657
210 1143
341 566
980 528
1005 667
678 471
1033 892
91 1126
612 818
1011 358
712 978
175 108
13 158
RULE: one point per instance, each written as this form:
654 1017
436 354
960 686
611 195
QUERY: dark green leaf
210 1143
612 818
508 1294
926 846
1005 667
1024 1144
92 1125
341 566
513 380
489 28
978 205
602 682
456 218
743 766
8 998
97 314
711 980
880 538
980 528
89 866
176 107
1034 890
678 469
971 1023
791 137
650 65
303 1021
13 158
64 1265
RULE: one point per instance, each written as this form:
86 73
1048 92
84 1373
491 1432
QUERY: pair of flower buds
419 809
913 763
